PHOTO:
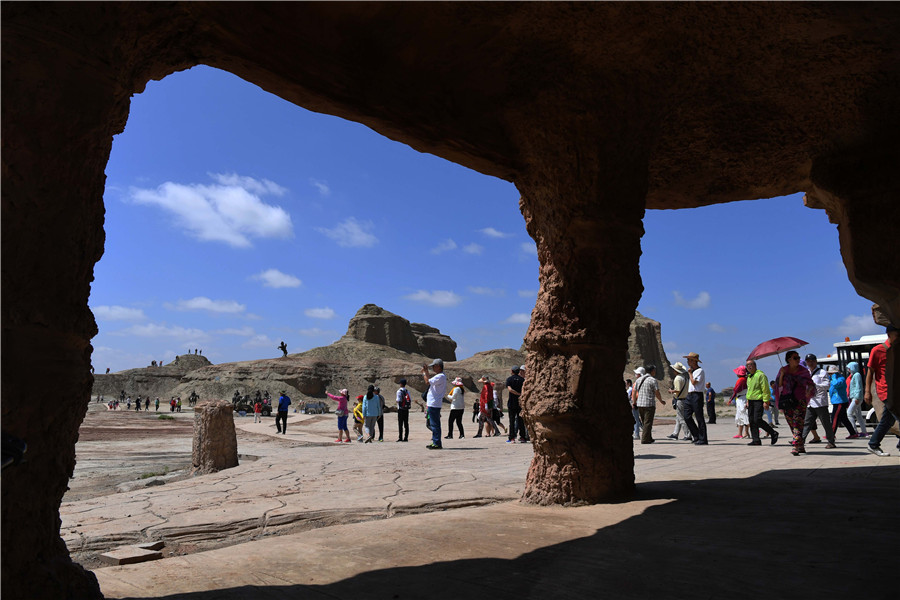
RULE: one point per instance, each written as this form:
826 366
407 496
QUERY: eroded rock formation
215 440
596 111
375 325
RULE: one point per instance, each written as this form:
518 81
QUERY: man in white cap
693 404
679 392
644 398
437 388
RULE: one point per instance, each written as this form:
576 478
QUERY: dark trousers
647 415
884 425
693 405
380 423
455 417
402 421
711 410
755 411
516 423
282 416
809 422
839 417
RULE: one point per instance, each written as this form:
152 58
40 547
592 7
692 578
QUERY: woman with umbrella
793 389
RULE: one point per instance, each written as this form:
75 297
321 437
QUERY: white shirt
437 388
700 377
820 378
457 400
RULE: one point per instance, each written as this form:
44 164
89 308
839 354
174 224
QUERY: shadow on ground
828 533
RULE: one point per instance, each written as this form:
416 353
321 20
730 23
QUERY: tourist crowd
806 394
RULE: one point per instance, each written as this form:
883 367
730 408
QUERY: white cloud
243 331
230 212
473 248
486 291
260 341
352 234
118 313
274 278
203 303
855 326
527 293
441 298
260 187
316 332
667 346
519 318
716 328
491 232
152 330
701 301
529 248
322 186
444 246
319 313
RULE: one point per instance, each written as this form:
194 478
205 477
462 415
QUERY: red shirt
487 397
877 361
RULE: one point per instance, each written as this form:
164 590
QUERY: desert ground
302 516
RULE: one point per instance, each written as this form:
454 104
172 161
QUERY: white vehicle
857 350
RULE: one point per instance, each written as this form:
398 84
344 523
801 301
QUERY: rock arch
596 111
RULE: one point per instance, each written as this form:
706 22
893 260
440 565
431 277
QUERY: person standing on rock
283 347
514 408
281 417
371 410
437 389
694 403
457 408
644 397
404 403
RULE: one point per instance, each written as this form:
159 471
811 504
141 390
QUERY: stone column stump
215 440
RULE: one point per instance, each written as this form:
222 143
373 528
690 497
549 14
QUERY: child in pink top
341 413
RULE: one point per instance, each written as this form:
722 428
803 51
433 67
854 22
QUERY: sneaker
648 442
400 440
864 435
755 443
878 451
637 437
478 435
774 437
380 440
338 441
510 441
496 433
433 447
461 437
829 446
368 440
671 436
359 439
853 437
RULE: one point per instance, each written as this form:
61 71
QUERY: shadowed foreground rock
597 111
215 441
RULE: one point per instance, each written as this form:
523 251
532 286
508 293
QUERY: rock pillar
587 223
215 441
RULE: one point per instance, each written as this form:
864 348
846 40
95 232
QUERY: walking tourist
877 374
837 392
281 416
498 406
404 403
485 408
710 404
739 399
856 392
358 418
793 389
694 403
679 393
818 404
629 387
759 397
437 388
514 384
645 397
257 411
371 409
380 420
342 398
457 408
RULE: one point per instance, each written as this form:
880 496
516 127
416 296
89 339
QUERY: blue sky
235 219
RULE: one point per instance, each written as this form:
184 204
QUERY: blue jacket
838 389
283 402
856 382
372 406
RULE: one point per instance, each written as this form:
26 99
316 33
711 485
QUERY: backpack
405 400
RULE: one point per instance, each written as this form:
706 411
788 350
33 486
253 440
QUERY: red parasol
776 345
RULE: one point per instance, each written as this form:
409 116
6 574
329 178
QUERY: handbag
340 413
